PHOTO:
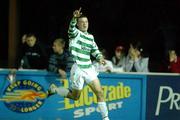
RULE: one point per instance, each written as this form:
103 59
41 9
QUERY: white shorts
78 76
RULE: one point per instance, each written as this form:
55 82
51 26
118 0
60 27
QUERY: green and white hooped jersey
82 45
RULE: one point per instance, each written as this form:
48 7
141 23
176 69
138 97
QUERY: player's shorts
78 76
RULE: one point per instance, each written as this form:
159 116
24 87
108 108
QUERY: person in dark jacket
33 53
58 60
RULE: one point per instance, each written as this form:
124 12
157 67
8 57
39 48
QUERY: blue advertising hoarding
25 99
163 97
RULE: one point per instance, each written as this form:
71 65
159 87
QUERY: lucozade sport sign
87 98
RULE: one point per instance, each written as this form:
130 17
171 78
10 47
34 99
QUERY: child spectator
174 61
119 59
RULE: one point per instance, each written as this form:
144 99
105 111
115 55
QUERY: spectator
119 59
33 53
108 67
58 60
174 61
135 61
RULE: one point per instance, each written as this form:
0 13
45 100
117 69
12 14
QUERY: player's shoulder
87 36
87 33
90 35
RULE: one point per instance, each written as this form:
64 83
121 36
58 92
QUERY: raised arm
73 31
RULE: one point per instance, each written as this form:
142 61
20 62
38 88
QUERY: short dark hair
137 45
82 16
30 35
60 41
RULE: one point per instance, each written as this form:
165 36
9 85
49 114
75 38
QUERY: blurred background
112 22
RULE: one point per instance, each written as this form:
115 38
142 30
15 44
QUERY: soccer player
82 45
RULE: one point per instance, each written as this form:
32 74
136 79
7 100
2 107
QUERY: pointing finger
79 9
